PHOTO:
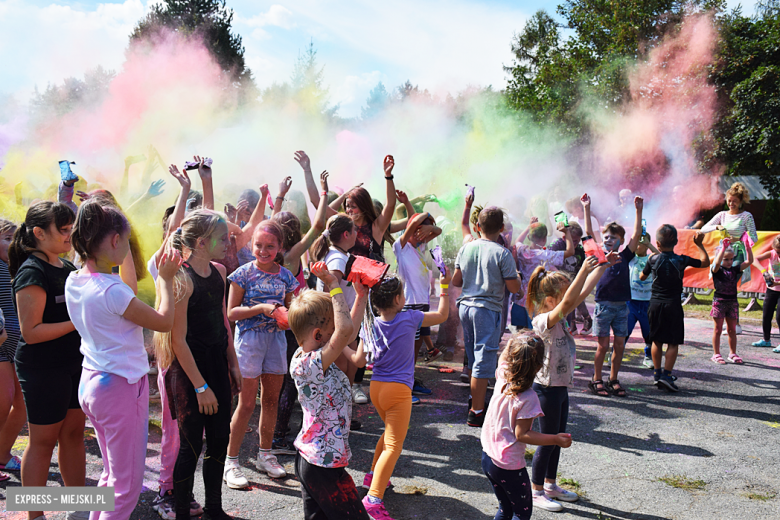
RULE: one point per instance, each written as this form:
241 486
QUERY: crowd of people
289 308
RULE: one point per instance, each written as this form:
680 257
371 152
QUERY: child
507 428
725 277
202 368
331 248
772 276
612 296
256 289
323 327
551 296
391 340
114 387
572 265
483 268
640 296
665 312
48 360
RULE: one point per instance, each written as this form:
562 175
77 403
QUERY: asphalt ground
708 452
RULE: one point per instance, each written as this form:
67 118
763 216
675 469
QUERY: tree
209 20
58 100
377 101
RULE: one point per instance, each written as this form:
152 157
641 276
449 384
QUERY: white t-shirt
109 342
337 261
414 272
560 353
151 266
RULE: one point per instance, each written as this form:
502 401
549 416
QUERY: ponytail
40 215
544 283
93 224
336 227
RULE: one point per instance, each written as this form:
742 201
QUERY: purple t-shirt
394 349
615 284
725 281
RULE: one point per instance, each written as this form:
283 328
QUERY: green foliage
377 100
58 100
683 482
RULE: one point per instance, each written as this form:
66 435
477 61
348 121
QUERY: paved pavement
720 433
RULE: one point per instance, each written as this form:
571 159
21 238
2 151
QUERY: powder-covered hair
544 283
613 228
740 191
95 222
524 358
308 311
538 231
335 228
384 293
575 229
41 214
491 220
272 227
291 227
106 199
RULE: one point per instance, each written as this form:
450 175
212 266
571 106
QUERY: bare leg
37 457
71 454
716 332
246 406
13 413
270 386
658 353
478 391
732 328
618 345
598 362
671 357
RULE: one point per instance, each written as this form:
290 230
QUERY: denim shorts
482 332
612 315
261 353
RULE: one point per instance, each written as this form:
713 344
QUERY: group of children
232 317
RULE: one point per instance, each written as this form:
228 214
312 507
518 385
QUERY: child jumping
665 312
726 277
507 428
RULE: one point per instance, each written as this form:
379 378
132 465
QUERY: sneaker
195 509
465 378
587 327
234 477
573 331
154 396
556 492
432 355
282 447
358 396
762 343
416 400
448 355
544 502
368 479
739 328
165 505
648 363
152 370
270 465
376 511
420 388
668 383
476 419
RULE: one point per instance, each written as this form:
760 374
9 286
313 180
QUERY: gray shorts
261 353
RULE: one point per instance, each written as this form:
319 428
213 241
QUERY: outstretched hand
585 200
156 188
389 164
324 181
402 197
284 186
303 160
169 265
613 257
320 270
203 170
181 177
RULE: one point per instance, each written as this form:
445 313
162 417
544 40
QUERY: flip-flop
717 358
734 358
4 476
13 464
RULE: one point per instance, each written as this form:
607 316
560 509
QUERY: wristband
765 270
443 295
389 178
336 291
324 193
444 285
202 388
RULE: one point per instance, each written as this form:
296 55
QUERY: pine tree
377 100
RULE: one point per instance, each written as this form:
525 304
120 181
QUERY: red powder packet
280 315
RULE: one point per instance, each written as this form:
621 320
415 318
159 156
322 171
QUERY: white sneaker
739 328
234 476
648 362
543 502
358 396
726 330
270 465
558 493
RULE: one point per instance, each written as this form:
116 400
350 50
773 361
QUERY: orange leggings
393 402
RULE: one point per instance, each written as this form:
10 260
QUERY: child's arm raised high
341 316
440 316
639 203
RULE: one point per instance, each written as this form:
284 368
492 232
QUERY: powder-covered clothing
484 266
529 259
498 431
615 284
725 281
65 196
336 260
110 343
736 225
640 291
774 268
262 287
668 270
392 347
414 272
573 263
366 245
326 401
560 353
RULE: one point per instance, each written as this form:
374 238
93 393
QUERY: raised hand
324 181
231 212
303 160
562 227
585 200
203 170
169 265
613 257
402 197
469 198
284 186
320 270
425 233
242 210
534 220
181 177
156 188
590 264
726 243
132 159
698 238
360 289
263 194
83 196
389 164
639 202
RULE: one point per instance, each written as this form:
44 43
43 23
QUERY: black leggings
770 306
512 488
288 394
555 405
184 408
328 493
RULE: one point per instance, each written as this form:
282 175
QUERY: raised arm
358 310
440 316
524 233
465 222
404 199
255 218
383 221
411 228
284 187
585 200
311 188
698 239
719 256
749 261
639 203
341 317
569 251
317 225
205 173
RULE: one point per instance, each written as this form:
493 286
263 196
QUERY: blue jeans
482 332
610 315
637 312
512 488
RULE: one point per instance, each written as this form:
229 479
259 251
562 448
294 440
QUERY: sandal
4 476
734 358
717 358
597 388
615 388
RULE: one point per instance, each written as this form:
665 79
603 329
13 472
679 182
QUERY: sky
443 46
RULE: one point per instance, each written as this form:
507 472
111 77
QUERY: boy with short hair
641 291
483 268
665 312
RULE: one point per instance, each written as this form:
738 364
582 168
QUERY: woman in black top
48 361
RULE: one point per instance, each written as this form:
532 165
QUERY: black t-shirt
725 281
59 352
668 270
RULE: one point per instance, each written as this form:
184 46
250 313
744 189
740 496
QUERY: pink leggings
169 446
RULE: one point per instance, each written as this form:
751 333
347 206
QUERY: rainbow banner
700 279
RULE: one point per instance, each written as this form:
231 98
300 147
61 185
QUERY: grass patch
683 482
529 453
600 516
415 490
760 496
571 485
703 309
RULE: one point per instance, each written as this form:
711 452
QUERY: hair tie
541 275
326 233
178 231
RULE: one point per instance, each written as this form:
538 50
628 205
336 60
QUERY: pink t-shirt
498 430
774 267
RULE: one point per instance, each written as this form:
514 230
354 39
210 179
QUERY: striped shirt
9 309
735 225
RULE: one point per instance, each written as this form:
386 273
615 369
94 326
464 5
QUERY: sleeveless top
366 245
206 332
